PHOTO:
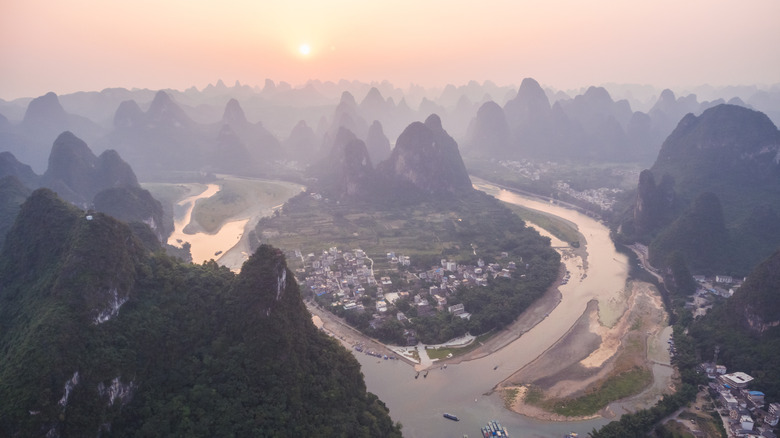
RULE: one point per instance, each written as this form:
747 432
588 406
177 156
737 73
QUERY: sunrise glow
87 44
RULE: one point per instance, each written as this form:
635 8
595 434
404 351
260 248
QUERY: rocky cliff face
303 144
100 336
377 143
43 121
10 166
756 302
261 148
426 157
12 195
78 175
730 151
733 139
530 118
488 134
347 171
655 205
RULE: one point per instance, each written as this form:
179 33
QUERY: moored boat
494 429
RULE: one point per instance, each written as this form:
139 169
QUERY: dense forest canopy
100 336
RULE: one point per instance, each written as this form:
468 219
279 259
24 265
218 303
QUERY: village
347 280
742 410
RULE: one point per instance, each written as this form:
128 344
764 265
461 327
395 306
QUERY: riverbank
591 356
596 272
229 245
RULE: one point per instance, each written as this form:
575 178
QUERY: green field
558 227
168 193
464 230
614 388
239 197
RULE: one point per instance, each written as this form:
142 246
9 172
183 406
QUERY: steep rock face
428 158
346 115
699 234
655 204
12 195
43 121
729 150
260 145
128 114
113 171
10 166
755 303
71 169
530 118
163 138
234 114
100 336
46 111
230 154
77 174
488 134
165 112
377 143
133 204
347 172
302 145
374 106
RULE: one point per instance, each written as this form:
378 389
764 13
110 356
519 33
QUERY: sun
304 49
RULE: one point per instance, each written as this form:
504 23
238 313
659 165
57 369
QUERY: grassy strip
510 395
555 226
235 197
614 388
442 353
168 193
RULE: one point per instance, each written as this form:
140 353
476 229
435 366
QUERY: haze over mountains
105 183
242 129
713 193
708 204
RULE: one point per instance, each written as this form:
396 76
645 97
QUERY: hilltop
102 336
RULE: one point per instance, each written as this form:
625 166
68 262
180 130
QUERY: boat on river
451 417
494 428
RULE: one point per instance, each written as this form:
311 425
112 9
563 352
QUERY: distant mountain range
291 128
591 127
105 183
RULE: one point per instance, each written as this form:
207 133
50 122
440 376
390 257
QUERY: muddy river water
464 389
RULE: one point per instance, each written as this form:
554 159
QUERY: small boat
495 367
451 417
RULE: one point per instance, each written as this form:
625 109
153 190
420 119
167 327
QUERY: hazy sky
71 45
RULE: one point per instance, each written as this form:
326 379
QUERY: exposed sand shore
591 352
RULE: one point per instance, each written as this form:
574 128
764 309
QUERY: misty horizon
88 45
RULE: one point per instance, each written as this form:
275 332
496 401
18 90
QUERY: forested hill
98 336
746 328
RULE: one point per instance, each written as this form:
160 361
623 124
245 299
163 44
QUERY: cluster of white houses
345 277
748 414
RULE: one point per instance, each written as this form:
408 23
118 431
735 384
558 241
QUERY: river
229 246
461 388
465 389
